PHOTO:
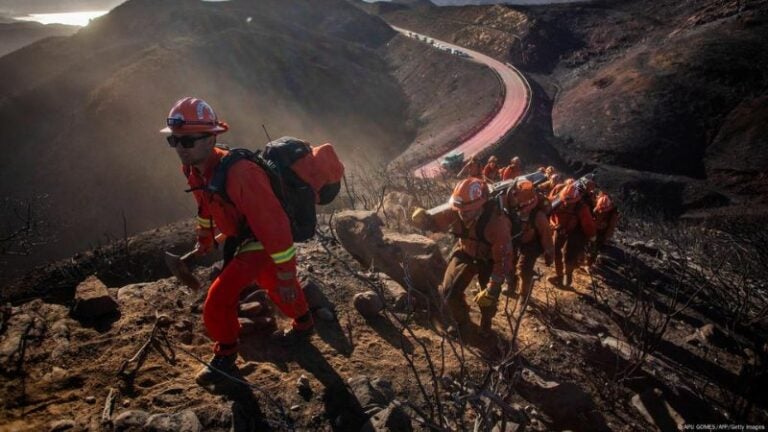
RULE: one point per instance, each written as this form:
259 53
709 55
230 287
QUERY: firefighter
473 168
259 246
513 170
491 170
554 185
573 227
606 219
483 232
534 238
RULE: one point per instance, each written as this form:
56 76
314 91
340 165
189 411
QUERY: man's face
194 149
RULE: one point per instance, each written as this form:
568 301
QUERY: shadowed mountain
14 35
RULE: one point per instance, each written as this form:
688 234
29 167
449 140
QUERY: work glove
485 298
420 218
205 241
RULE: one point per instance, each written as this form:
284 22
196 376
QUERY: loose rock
368 303
61 425
92 300
131 420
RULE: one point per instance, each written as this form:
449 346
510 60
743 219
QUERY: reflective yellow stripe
284 256
249 246
204 222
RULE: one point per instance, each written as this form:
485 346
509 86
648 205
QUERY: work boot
555 280
211 375
568 280
486 322
301 330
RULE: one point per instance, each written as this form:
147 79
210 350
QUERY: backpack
300 175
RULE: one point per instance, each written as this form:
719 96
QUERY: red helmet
192 116
525 194
604 203
570 193
469 194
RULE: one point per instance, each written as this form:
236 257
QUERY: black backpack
296 196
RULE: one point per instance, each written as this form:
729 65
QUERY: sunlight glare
70 18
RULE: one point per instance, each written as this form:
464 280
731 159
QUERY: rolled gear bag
310 175
319 166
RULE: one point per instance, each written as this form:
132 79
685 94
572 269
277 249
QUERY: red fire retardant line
489 132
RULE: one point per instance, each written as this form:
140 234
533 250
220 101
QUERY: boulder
130 421
368 303
185 421
566 403
391 419
401 301
92 300
410 259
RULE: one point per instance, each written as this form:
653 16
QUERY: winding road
513 110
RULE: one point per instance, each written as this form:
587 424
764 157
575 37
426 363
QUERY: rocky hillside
14 35
645 340
675 89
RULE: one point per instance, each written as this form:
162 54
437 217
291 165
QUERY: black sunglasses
186 141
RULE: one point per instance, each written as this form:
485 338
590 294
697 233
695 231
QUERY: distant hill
81 114
14 35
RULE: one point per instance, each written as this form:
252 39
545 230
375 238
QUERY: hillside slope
99 98
14 35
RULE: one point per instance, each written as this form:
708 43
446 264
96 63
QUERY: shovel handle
220 237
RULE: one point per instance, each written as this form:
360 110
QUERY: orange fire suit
573 226
482 254
510 172
267 257
533 240
471 169
491 172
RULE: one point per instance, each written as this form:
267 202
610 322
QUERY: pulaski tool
178 266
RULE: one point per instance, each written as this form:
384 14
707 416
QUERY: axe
178 266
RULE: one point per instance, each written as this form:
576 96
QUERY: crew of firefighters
566 221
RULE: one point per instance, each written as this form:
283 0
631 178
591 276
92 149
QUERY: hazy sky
26 7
